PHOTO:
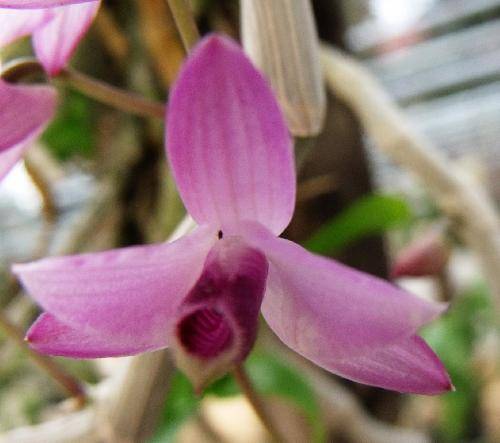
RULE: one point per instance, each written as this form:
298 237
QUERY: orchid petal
55 42
10 157
24 112
330 313
408 366
227 141
119 293
325 298
38 4
16 24
50 336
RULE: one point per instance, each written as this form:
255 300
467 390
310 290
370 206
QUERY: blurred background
98 178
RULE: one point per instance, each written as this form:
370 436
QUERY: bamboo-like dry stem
68 383
161 38
184 20
246 386
113 38
280 37
125 101
468 206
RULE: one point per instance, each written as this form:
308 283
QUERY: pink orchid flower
231 155
55 29
24 113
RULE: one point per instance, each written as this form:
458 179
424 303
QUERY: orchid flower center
205 333
216 323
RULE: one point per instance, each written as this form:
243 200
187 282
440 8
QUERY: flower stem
56 372
183 17
257 403
123 100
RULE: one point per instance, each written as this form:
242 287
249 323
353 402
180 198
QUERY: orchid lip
217 322
205 333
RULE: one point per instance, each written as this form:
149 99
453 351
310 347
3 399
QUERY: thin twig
445 285
54 370
257 403
208 430
49 205
184 20
125 101
468 206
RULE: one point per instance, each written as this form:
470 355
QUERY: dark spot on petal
220 234
205 333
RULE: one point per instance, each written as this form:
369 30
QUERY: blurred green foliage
453 338
369 215
270 376
181 404
72 130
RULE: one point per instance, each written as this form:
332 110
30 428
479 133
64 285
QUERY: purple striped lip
205 333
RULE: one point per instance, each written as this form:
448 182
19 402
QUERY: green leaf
71 131
369 215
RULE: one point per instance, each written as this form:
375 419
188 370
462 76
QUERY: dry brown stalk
161 38
184 20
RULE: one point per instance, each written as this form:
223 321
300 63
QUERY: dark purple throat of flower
216 325
205 333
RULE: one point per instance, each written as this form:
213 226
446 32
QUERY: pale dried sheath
280 37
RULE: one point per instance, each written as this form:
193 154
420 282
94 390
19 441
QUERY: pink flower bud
427 255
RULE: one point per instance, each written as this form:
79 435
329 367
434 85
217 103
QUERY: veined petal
24 112
55 42
408 366
121 293
36 4
330 313
15 24
227 141
50 336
